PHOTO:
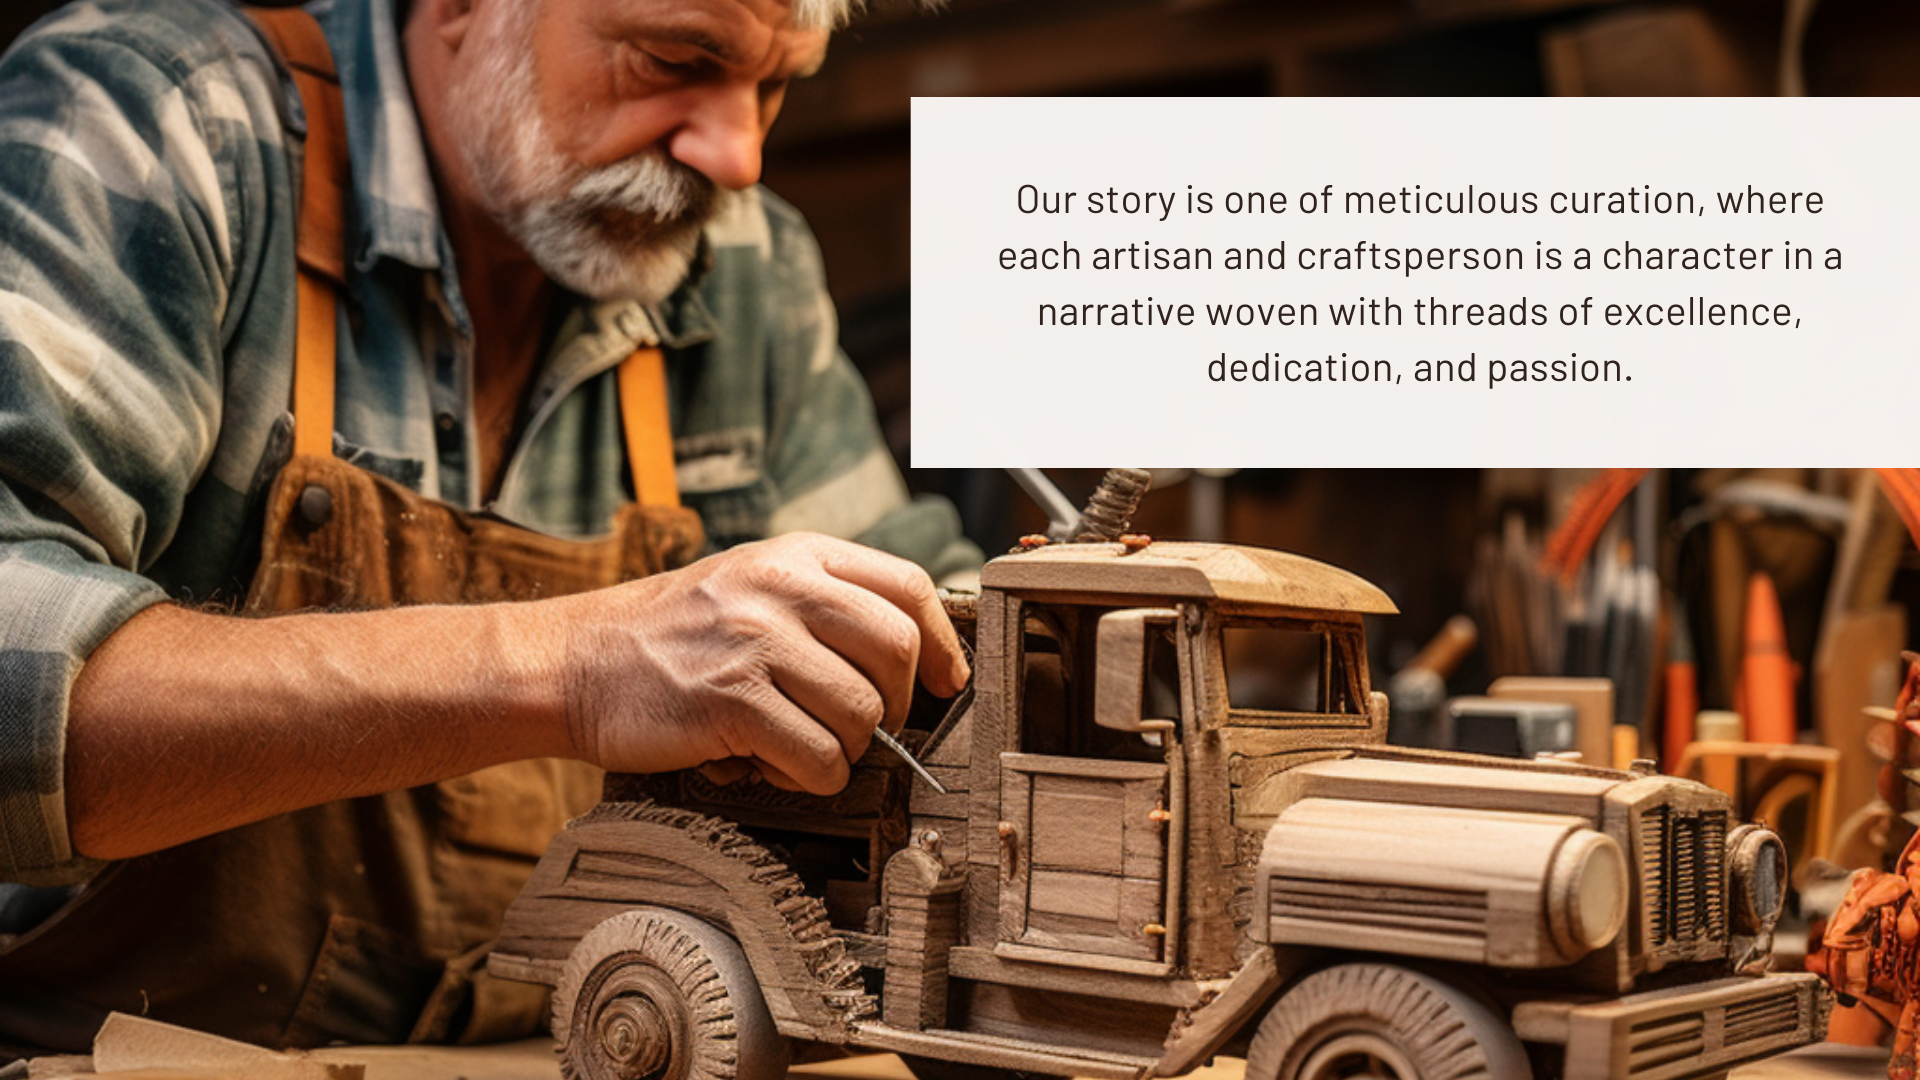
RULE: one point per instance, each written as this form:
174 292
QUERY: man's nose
722 136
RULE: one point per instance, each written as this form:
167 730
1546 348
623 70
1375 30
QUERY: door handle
1009 849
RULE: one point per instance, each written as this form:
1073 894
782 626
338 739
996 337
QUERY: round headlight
1756 879
1586 893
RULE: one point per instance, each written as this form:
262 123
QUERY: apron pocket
471 1006
368 986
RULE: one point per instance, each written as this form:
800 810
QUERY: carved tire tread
682 983
825 954
1412 1022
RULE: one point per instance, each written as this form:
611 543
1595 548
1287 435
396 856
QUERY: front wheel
1381 1022
656 995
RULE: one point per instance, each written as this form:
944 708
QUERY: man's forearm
184 723
787 653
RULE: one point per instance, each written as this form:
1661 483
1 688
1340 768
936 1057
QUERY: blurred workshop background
1442 543
841 150
1669 573
1743 626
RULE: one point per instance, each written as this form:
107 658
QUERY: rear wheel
1381 1022
656 995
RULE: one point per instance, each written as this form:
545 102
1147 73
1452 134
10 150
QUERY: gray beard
625 231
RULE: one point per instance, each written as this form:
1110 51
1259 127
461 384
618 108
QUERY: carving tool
900 752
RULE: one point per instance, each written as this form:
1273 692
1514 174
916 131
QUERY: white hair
825 14
811 14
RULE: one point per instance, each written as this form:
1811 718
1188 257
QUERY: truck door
1086 828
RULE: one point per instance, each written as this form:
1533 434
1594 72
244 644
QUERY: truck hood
1461 781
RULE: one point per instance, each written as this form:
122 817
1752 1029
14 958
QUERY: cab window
1059 661
1281 668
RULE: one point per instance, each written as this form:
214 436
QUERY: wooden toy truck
1133 869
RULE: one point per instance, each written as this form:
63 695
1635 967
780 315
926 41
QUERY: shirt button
446 432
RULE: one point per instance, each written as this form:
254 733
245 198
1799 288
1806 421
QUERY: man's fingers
833 692
876 638
942 664
725 771
779 779
733 770
791 745
787 653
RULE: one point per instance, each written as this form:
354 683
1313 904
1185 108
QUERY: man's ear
448 20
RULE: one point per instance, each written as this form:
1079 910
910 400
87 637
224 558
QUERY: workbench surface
534 1060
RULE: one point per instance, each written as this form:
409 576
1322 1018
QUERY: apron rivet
315 506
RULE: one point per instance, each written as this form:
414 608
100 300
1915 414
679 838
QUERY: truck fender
1226 1005
622 855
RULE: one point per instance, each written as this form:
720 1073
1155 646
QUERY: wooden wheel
656 995
1380 1022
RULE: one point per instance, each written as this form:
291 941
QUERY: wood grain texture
1126 982
1093 573
131 1044
625 855
1087 856
1068 1022
1681 1030
1336 872
1218 853
660 987
1224 1005
533 1059
996 688
923 925
1435 1029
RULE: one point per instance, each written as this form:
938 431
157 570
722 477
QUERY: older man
547 244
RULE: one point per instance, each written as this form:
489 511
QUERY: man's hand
787 652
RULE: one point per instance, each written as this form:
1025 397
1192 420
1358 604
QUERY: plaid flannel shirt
147 207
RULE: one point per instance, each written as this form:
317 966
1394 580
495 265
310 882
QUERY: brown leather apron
364 921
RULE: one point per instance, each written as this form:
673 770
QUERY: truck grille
1686 1032
1683 880
1750 1020
1661 1042
1451 912
1705 1042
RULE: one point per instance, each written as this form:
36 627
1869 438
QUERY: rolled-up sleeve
55 607
119 208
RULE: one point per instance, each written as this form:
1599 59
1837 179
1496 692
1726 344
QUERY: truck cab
1171 828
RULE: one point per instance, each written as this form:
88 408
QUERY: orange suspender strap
321 237
321 247
643 413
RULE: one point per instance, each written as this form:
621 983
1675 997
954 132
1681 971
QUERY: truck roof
1225 572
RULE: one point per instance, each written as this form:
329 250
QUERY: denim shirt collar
397 215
